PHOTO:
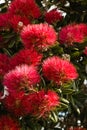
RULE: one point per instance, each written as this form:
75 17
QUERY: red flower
26 56
26 8
85 51
59 70
4 20
21 77
17 22
74 33
53 16
4 65
38 35
12 102
83 29
40 103
7 123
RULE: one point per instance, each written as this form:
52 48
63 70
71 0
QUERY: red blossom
4 64
7 123
21 77
12 102
26 56
4 20
17 22
59 70
53 16
40 36
73 33
40 103
24 8
83 29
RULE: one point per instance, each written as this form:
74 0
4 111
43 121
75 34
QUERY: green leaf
53 116
64 100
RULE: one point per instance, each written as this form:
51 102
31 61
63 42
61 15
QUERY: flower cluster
22 80
7 123
33 77
39 104
25 8
4 20
12 103
53 16
19 13
73 33
26 56
39 36
17 22
21 77
59 70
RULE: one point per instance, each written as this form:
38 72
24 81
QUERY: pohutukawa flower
8 123
21 77
26 8
40 103
4 21
58 70
4 65
53 16
74 33
17 22
40 36
12 103
26 56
